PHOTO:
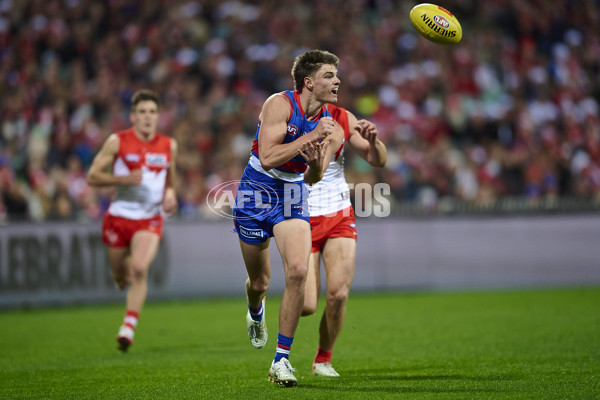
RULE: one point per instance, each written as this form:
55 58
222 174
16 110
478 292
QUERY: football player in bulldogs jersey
294 142
142 167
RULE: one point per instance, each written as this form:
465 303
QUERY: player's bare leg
143 249
312 288
339 257
144 246
258 266
294 241
119 258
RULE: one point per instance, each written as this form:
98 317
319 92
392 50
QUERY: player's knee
309 308
259 285
296 275
338 297
120 278
139 275
138 272
120 282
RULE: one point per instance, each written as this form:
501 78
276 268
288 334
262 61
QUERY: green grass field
522 344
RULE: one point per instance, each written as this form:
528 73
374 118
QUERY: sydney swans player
334 234
143 171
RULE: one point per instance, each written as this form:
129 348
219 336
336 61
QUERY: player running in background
143 171
294 142
334 234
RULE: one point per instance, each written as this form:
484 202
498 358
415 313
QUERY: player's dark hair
144 95
308 63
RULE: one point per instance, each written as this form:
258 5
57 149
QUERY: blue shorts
262 202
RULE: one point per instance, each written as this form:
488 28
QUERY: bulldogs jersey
153 158
332 194
298 125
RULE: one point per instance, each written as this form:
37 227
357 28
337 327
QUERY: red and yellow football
435 23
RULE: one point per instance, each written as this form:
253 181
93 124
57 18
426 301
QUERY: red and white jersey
153 158
332 194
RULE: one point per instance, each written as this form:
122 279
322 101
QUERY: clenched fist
324 128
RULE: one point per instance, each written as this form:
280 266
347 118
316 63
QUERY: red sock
131 319
323 356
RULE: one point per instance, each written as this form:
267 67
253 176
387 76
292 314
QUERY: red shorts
339 224
118 231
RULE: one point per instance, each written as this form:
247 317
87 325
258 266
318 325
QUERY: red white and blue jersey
297 126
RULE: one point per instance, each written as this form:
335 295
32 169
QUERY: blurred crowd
511 111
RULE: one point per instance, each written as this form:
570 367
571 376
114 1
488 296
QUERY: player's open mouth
335 90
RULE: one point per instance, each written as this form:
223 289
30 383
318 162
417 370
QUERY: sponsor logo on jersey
251 233
132 157
156 160
292 129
